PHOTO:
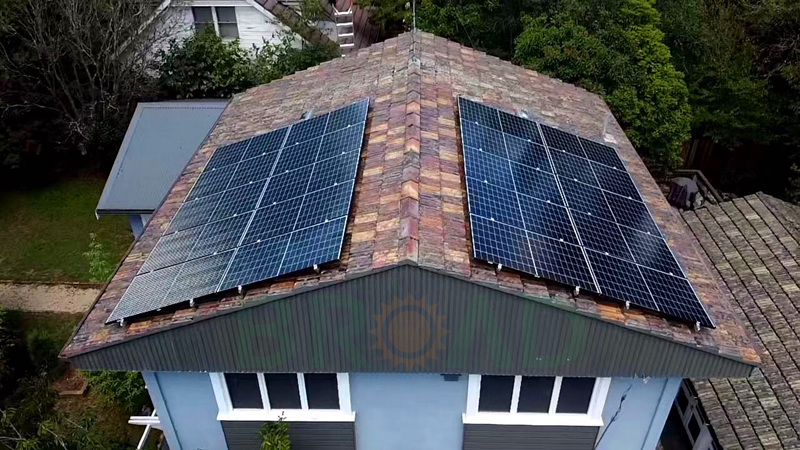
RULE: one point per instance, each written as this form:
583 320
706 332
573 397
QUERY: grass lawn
44 232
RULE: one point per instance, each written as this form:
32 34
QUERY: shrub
100 267
277 60
12 354
125 389
275 435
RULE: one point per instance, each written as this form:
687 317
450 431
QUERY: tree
82 63
124 389
614 48
204 66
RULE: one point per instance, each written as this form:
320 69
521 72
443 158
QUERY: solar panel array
263 207
561 207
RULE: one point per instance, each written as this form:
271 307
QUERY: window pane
282 390
683 402
243 390
535 393
202 14
496 393
226 14
576 393
322 390
228 30
694 428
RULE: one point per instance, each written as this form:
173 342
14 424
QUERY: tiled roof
410 201
753 243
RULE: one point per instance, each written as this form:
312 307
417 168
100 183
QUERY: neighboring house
408 342
161 139
753 245
254 22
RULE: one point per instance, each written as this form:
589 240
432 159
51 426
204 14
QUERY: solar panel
266 206
559 206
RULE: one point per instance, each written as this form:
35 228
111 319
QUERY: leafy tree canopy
205 66
614 48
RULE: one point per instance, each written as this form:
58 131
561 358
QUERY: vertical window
496 393
535 394
203 17
543 400
283 390
322 390
226 21
575 395
244 390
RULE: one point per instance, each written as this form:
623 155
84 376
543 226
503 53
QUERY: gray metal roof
160 140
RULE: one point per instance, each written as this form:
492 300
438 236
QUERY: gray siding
304 435
512 437
486 331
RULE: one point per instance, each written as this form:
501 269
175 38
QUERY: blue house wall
401 411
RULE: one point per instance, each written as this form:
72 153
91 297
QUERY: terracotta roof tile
410 202
751 244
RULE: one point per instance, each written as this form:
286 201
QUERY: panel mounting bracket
121 322
500 267
627 304
577 291
191 303
316 268
697 326
240 290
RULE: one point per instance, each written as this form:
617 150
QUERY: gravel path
47 297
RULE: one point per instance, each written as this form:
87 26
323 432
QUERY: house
408 341
344 26
161 139
753 246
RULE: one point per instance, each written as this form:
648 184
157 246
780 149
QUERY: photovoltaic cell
212 182
675 296
621 280
561 262
314 245
616 181
536 183
238 200
601 235
632 213
273 220
602 154
256 262
333 171
171 249
221 235
265 143
528 153
587 226
228 154
194 213
265 206
501 244
199 277
488 168
253 169
573 167
493 203
555 138
547 219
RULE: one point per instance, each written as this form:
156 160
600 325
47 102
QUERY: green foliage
793 190
275 435
100 266
312 10
204 66
277 60
124 389
392 17
11 353
614 48
710 44
489 25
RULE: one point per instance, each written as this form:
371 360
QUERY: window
536 400
222 19
295 396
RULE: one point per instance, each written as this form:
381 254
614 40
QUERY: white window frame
228 412
214 17
593 417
